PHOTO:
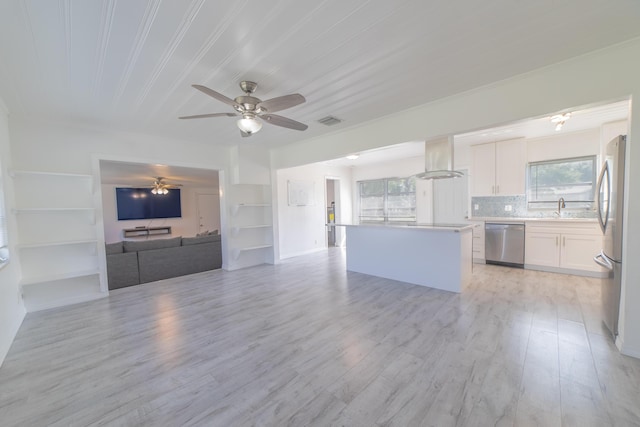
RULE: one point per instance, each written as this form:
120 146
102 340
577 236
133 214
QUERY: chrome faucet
561 205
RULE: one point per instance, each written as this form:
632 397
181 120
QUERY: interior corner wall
602 76
12 309
301 229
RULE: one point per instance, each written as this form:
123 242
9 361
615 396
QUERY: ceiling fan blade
220 97
282 102
283 121
202 116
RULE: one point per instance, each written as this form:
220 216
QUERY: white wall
564 146
301 229
12 309
603 76
186 226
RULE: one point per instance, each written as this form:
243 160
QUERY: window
389 199
572 179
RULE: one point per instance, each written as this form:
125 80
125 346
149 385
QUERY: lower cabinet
478 242
568 247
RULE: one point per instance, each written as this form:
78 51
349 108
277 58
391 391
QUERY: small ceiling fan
160 186
251 109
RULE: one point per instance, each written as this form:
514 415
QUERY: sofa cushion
187 241
145 245
114 248
122 270
162 264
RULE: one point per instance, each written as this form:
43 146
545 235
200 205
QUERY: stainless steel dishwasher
504 244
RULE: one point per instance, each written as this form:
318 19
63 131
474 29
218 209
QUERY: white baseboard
5 346
584 273
626 349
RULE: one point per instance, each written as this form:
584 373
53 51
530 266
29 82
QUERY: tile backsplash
516 207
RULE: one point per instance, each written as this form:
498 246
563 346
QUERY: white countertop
519 220
431 227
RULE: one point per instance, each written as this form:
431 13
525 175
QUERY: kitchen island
437 256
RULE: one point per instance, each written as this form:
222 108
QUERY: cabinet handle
556 240
563 240
493 189
497 189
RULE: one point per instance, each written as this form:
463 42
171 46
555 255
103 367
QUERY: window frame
551 204
368 219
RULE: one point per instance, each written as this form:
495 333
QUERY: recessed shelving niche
59 245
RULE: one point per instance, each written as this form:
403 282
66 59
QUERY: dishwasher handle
496 226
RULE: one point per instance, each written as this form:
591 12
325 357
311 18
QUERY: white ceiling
582 119
138 174
129 64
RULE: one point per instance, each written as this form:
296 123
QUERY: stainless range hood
438 160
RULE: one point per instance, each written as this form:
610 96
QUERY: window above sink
572 179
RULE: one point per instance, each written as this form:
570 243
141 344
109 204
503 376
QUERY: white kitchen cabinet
577 251
478 242
498 168
541 248
563 247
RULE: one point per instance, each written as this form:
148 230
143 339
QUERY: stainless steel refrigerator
609 200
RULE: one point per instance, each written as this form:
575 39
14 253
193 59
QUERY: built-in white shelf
54 277
61 243
58 207
238 251
236 229
236 208
18 173
37 302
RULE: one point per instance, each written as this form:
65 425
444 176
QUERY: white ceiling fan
251 109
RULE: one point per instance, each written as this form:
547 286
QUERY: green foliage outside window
572 179
389 199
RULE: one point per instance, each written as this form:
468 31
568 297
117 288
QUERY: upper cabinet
498 168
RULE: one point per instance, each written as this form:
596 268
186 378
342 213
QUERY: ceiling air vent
329 121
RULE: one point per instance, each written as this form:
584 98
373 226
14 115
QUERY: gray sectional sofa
134 262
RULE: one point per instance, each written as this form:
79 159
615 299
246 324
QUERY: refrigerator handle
603 220
602 260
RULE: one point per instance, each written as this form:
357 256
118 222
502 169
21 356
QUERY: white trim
307 252
574 272
627 350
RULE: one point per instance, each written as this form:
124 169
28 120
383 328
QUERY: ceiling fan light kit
249 125
159 191
252 109
560 119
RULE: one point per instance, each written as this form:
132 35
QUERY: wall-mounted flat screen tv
140 203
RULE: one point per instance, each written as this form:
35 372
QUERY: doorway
332 205
208 210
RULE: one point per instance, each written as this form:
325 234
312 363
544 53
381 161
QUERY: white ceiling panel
129 65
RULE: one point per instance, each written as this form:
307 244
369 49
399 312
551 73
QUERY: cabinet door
510 167
478 241
577 252
483 169
542 249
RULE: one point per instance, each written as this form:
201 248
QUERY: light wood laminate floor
307 343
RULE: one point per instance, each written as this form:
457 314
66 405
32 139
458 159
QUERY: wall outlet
476 207
508 208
